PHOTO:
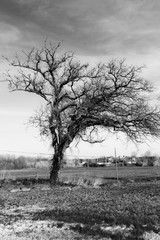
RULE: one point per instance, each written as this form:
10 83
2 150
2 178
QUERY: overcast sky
95 31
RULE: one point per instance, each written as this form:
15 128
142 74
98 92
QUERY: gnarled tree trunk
56 165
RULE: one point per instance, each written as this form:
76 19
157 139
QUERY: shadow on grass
73 216
84 222
8 219
90 222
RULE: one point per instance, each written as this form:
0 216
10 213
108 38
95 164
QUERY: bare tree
81 99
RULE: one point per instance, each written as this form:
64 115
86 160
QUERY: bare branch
81 99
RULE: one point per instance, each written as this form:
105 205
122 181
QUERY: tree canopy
80 98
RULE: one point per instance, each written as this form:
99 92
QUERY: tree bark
55 167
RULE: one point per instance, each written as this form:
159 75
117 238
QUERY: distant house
129 160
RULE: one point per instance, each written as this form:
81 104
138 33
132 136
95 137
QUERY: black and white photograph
79 119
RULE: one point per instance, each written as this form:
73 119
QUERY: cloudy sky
95 31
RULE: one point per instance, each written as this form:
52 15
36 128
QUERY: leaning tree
80 99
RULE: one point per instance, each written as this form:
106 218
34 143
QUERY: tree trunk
55 167
59 149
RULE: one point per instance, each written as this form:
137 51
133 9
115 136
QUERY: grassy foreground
133 205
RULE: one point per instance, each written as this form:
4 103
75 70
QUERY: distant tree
147 153
134 154
80 99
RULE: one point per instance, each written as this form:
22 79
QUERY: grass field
127 211
105 173
110 172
